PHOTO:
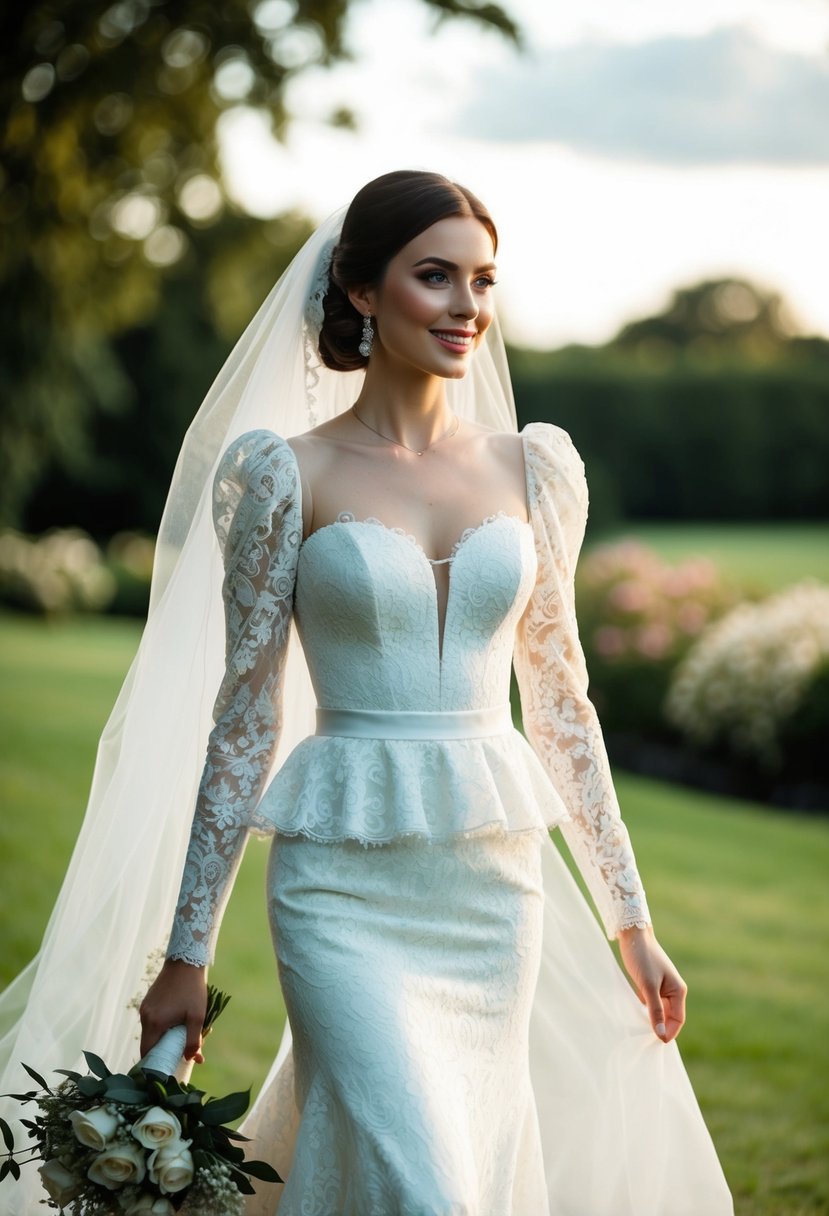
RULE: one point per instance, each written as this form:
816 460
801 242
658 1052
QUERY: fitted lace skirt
464 1044
408 972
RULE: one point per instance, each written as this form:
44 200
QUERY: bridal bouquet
138 1143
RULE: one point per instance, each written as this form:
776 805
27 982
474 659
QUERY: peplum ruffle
374 791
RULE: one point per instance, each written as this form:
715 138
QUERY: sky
633 147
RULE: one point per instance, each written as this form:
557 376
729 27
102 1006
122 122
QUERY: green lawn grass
760 558
739 896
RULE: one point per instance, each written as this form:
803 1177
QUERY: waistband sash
415 724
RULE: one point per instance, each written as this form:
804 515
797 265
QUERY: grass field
761 559
739 895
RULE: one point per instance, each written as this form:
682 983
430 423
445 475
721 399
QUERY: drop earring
367 337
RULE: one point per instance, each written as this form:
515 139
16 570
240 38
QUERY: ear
363 299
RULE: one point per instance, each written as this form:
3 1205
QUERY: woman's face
435 301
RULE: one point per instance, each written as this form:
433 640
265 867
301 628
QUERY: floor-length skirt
464 1044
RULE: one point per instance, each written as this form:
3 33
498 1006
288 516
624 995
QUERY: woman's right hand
178 997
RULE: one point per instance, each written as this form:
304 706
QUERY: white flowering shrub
61 571
749 677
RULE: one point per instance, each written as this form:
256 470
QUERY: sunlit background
659 174
631 148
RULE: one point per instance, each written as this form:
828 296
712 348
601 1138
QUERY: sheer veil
115 908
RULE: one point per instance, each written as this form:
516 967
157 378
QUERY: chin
455 373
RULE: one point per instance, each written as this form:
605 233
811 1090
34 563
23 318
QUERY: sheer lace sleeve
258 520
559 719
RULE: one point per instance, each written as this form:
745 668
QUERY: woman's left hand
658 984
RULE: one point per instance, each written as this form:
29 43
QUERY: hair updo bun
383 217
341 330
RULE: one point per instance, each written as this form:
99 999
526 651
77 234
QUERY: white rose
94 1128
171 1167
149 1205
156 1127
60 1184
116 1165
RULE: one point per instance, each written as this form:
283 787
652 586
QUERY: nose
464 303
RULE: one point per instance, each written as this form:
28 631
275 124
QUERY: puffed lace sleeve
258 520
559 719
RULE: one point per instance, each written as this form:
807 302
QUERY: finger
194 1038
656 1013
151 1032
675 1011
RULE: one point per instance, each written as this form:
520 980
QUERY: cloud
722 97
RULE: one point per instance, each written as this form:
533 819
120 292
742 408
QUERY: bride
460 1039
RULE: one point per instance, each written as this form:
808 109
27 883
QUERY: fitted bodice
386 639
367 611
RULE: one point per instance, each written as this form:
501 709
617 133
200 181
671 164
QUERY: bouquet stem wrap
167 1056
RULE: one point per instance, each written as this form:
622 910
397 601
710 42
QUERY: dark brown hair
383 217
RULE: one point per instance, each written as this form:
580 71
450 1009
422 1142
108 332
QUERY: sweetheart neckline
441 606
348 519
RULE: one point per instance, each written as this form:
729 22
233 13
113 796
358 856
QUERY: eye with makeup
439 277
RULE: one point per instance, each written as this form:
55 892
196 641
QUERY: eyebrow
451 265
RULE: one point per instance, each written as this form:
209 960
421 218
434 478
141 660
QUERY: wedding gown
461 1041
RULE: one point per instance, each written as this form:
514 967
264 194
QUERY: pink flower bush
638 616
633 606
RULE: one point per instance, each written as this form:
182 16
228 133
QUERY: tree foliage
710 409
110 177
729 316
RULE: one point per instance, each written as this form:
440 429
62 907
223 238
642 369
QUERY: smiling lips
454 339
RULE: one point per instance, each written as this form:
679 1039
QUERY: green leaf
130 1097
201 1138
97 1065
35 1076
178 1102
123 1079
241 1182
7 1135
223 1110
261 1170
67 1072
10 1166
234 1135
91 1087
217 1002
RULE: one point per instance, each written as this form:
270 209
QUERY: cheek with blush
411 303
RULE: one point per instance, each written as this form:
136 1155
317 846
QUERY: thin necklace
446 434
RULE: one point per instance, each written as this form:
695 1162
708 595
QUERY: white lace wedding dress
463 1042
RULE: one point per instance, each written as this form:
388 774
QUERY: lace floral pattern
410 1018
364 599
257 516
559 719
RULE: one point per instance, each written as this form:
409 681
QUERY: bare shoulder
316 448
317 452
498 459
505 448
